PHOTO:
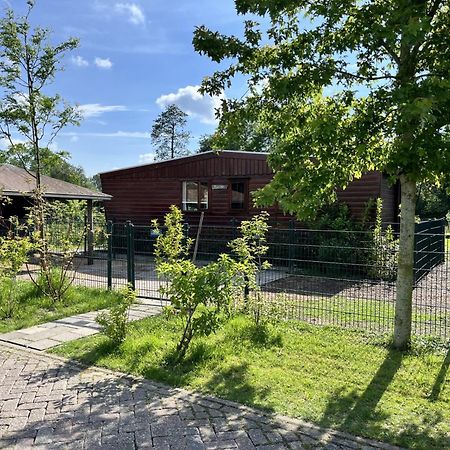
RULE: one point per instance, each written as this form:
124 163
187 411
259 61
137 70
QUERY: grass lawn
34 309
332 377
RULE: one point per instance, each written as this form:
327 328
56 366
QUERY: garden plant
202 297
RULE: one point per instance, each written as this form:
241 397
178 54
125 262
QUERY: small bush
54 284
251 249
383 254
202 296
14 251
115 322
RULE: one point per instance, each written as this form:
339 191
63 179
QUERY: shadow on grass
358 414
440 379
95 352
261 336
234 383
355 413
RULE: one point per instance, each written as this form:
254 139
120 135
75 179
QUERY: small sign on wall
217 187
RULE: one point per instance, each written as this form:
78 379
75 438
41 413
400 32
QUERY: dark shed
219 184
18 184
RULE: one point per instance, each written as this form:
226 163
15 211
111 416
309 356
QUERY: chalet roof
15 181
202 155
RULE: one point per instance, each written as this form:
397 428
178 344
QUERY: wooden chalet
220 184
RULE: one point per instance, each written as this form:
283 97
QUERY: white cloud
132 11
79 61
192 102
146 158
74 138
5 144
103 63
95 109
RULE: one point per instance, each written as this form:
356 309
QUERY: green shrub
251 249
14 251
115 322
200 296
54 283
383 254
203 296
337 242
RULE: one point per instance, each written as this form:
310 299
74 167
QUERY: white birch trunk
405 273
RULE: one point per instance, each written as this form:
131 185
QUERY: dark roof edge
103 197
195 155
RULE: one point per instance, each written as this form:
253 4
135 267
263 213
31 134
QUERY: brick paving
51 334
47 402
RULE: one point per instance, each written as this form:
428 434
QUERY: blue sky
134 57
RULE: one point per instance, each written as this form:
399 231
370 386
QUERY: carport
18 185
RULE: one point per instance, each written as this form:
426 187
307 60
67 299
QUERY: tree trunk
405 273
172 142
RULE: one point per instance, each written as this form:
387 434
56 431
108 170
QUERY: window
238 195
195 196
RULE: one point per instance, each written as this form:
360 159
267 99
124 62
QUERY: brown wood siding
389 195
146 192
360 192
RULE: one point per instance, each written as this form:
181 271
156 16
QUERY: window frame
198 182
245 181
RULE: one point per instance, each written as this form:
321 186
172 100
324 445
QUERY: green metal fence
326 277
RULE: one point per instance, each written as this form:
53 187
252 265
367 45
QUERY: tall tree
169 134
343 87
29 118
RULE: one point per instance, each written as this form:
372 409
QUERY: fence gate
429 247
131 260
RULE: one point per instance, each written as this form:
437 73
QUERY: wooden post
90 232
199 230
110 230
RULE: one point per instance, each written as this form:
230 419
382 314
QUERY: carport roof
15 181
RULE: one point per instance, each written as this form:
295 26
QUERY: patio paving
48 402
51 334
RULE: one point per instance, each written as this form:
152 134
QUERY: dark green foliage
237 132
433 202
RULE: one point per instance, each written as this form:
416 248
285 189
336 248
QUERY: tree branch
391 52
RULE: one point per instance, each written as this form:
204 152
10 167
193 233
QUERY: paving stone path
51 334
47 402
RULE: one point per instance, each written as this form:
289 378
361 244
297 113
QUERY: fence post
233 228
109 230
90 232
130 255
291 240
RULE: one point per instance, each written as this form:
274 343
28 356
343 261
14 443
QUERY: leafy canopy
237 132
343 87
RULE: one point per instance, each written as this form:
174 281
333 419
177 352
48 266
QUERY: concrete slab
51 334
